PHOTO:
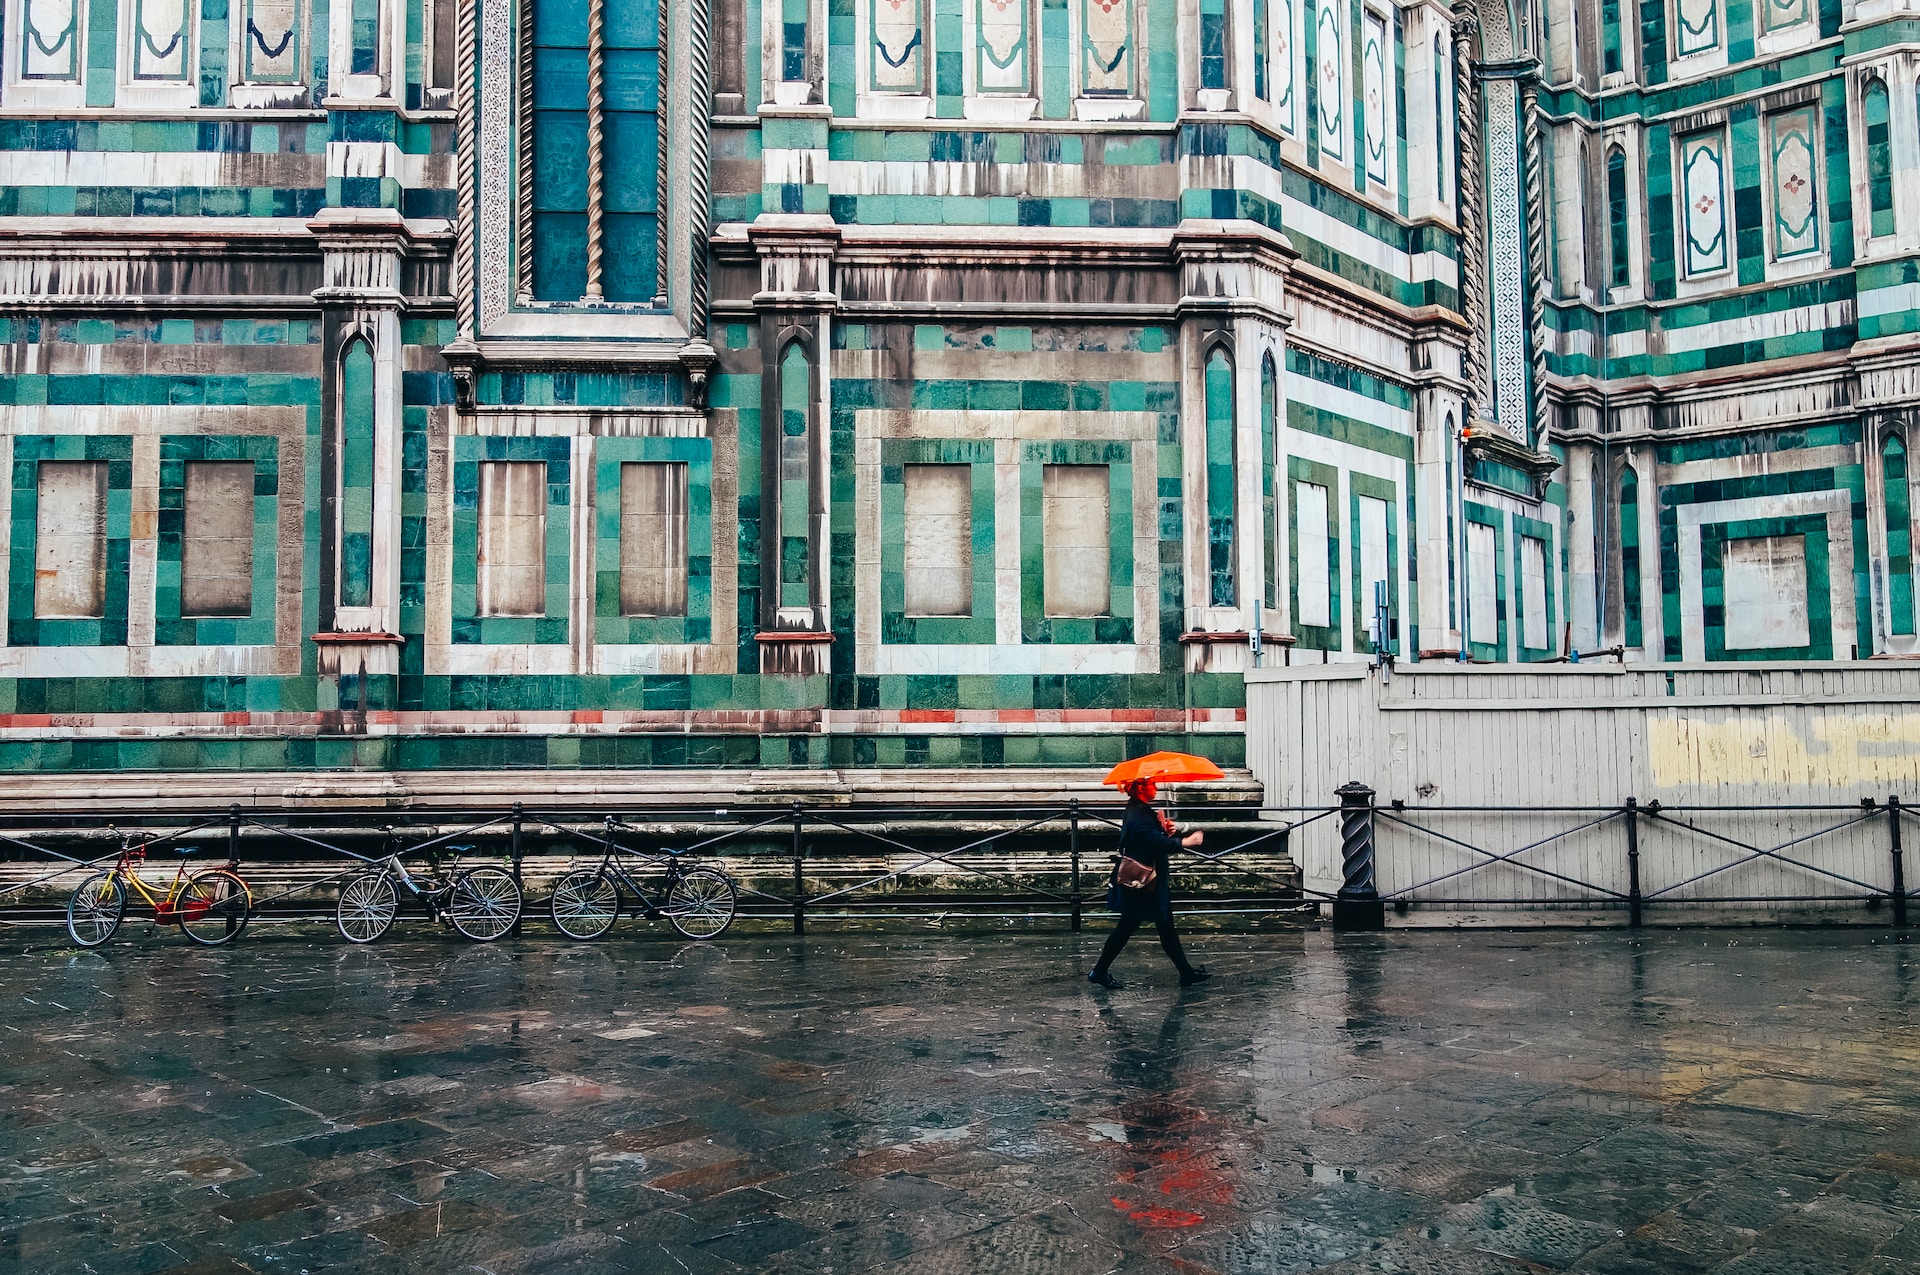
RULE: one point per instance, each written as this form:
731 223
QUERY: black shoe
1100 978
1191 977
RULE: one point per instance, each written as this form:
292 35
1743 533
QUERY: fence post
1073 846
799 881
1633 862
233 839
1899 866
514 849
1357 906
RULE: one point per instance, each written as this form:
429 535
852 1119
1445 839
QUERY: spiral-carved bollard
1357 906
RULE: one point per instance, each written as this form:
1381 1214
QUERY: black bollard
1357 906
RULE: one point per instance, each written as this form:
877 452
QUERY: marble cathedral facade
457 385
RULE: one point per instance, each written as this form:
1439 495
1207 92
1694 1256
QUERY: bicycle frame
611 863
164 906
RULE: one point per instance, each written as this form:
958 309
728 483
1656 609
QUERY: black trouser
1123 930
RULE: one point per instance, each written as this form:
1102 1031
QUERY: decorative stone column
795 306
358 645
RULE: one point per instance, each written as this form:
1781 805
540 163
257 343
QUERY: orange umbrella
1163 768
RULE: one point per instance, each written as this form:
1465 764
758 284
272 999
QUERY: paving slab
915 1099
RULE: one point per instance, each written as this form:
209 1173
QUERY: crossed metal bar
1769 852
1510 857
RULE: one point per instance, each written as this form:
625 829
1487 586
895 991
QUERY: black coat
1143 840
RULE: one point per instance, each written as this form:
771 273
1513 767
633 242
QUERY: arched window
1619 262
1269 480
1879 159
1630 553
1589 276
796 477
1893 486
1220 472
1597 487
356 474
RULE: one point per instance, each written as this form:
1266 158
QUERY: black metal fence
1637 858
795 862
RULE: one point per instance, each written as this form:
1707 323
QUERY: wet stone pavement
915 1100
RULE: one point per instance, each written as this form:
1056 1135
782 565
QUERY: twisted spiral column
1536 195
596 139
1473 280
698 192
466 155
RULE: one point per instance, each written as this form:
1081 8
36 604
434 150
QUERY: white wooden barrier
1700 740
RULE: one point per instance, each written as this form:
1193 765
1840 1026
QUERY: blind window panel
653 538
216 541
513 538
939 540
70 546
1075 529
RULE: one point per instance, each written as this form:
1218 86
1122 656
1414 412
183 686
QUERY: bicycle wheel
213 907
700 903
367 907
484 903
584 904
94 911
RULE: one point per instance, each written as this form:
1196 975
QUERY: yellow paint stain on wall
1791 745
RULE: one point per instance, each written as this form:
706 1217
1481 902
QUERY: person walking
1147 837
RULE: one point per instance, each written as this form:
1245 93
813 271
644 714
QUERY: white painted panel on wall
1310 514
1483 620
653 538
1533 592
1075 528
1373 553
939 539
1764 587
70 544
513 538
216 541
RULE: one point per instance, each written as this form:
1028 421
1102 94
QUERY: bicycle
481 903
210 907
697 901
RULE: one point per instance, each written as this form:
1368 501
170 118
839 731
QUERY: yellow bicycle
210 907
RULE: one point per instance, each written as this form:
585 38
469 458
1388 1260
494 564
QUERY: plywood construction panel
70 548
216 541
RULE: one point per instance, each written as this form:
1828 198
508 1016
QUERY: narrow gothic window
1260 50
366 37
1269 479
356 475
1630 552
1619 265
1879 159
1893 480
795 478
1220 479
1213 44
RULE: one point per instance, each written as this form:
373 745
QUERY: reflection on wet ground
1737 1101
